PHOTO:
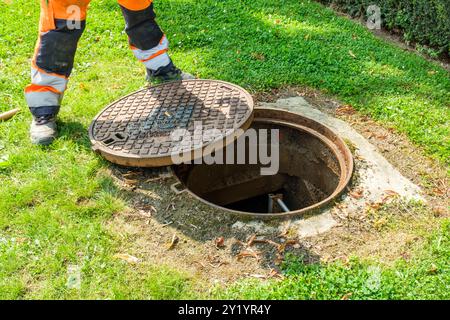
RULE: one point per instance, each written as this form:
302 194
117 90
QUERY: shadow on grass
75 132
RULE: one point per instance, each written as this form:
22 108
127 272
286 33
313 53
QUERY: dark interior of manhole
309 172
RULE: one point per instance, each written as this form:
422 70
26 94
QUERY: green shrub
426 22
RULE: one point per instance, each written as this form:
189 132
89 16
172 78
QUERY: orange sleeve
135 5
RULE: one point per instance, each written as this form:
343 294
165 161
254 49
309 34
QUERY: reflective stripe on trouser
147 41
61 24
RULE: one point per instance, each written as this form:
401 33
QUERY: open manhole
137 130
315 166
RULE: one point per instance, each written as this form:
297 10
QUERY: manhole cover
138 130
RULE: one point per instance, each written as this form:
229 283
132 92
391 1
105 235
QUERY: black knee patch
44 111
57 48
141 27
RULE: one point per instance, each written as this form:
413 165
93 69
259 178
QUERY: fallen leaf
350 52
439 211
376 205
391 193
347 296
258 56
291 242
433 269
173 242
356 194
345 109
258 276
219 242
252 254
251 240
130 182
439 192
275 274
126 257
129 174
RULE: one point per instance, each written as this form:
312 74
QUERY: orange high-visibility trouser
61 25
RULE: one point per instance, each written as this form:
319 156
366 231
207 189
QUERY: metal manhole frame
133 160
333 141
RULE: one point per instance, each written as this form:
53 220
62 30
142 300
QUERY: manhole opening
310 172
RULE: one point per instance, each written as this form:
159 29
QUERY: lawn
257 44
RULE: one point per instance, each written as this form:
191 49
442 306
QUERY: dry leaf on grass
251 254
275 274
126 257
347 296
433 269
272 274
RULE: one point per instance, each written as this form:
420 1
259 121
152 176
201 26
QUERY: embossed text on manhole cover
140 129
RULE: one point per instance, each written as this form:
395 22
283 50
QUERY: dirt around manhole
182 233
162 228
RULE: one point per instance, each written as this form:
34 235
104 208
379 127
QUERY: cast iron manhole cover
143 129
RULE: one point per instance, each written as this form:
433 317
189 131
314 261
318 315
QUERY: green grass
427 277
55 202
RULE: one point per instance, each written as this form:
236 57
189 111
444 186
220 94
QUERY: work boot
167 73
43 130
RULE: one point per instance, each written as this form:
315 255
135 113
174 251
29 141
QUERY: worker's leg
61 24
147 41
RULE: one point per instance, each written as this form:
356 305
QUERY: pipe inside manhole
315 166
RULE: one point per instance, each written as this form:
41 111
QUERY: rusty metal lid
143 129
